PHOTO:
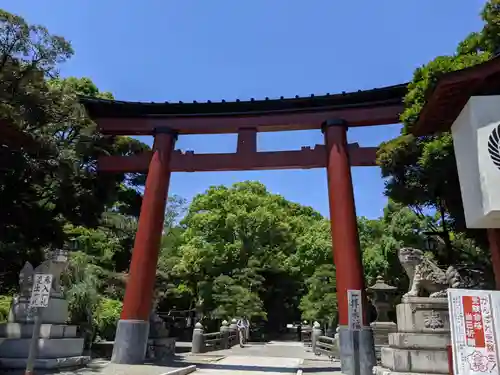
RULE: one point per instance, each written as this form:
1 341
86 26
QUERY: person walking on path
241 331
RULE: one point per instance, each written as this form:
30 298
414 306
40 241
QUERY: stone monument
58 345
423 325
382 295
160 345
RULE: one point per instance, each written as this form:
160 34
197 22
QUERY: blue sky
171 50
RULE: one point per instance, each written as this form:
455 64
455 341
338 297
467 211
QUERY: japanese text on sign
474 332
473 316
40 294
355 309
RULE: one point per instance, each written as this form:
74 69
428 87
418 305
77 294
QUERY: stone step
47 348
19 330
415 360
437 341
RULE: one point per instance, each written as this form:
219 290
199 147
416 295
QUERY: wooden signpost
40 295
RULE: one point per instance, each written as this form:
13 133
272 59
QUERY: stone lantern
382 297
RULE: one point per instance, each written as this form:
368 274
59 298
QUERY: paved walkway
243 365
265 359
272 358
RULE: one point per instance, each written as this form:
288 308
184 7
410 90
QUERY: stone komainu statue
425 275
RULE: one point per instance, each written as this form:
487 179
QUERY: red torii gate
333 114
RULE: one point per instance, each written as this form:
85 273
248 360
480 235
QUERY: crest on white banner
494 146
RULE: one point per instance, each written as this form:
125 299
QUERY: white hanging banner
355 309
474 316
476 140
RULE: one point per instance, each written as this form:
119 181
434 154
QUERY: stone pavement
243 365
105 369
265 359
291 349
102 367
320 367
254 359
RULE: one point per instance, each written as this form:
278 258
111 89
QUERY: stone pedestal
55 313
160 345
382 296
381 331
160 349
58 345
419 345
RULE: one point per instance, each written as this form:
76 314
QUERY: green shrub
106 318
5 302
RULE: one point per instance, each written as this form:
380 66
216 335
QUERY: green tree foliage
81 284
320 302
245 251
239 250
422 171
51 193
4 307
107 314
400 226
44 188
381 238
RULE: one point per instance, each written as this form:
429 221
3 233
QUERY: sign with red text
355 309
474 314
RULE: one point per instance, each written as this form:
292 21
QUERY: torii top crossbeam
246 118
361 108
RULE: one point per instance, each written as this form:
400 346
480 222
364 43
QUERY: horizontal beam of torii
272 122
242 160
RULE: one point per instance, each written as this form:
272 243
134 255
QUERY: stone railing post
198 343
316 332
224 330
233 328
337 338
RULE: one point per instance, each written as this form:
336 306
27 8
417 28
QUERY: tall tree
246 251
320 302
42 189
422 171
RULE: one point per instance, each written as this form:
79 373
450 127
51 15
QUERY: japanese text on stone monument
40 293
355 309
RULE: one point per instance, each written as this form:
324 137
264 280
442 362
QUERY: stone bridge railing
306 335
224 339
324 345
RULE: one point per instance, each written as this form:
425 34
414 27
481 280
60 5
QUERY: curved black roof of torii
102 108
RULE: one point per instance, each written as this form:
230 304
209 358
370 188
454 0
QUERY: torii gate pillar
133 327
356 339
